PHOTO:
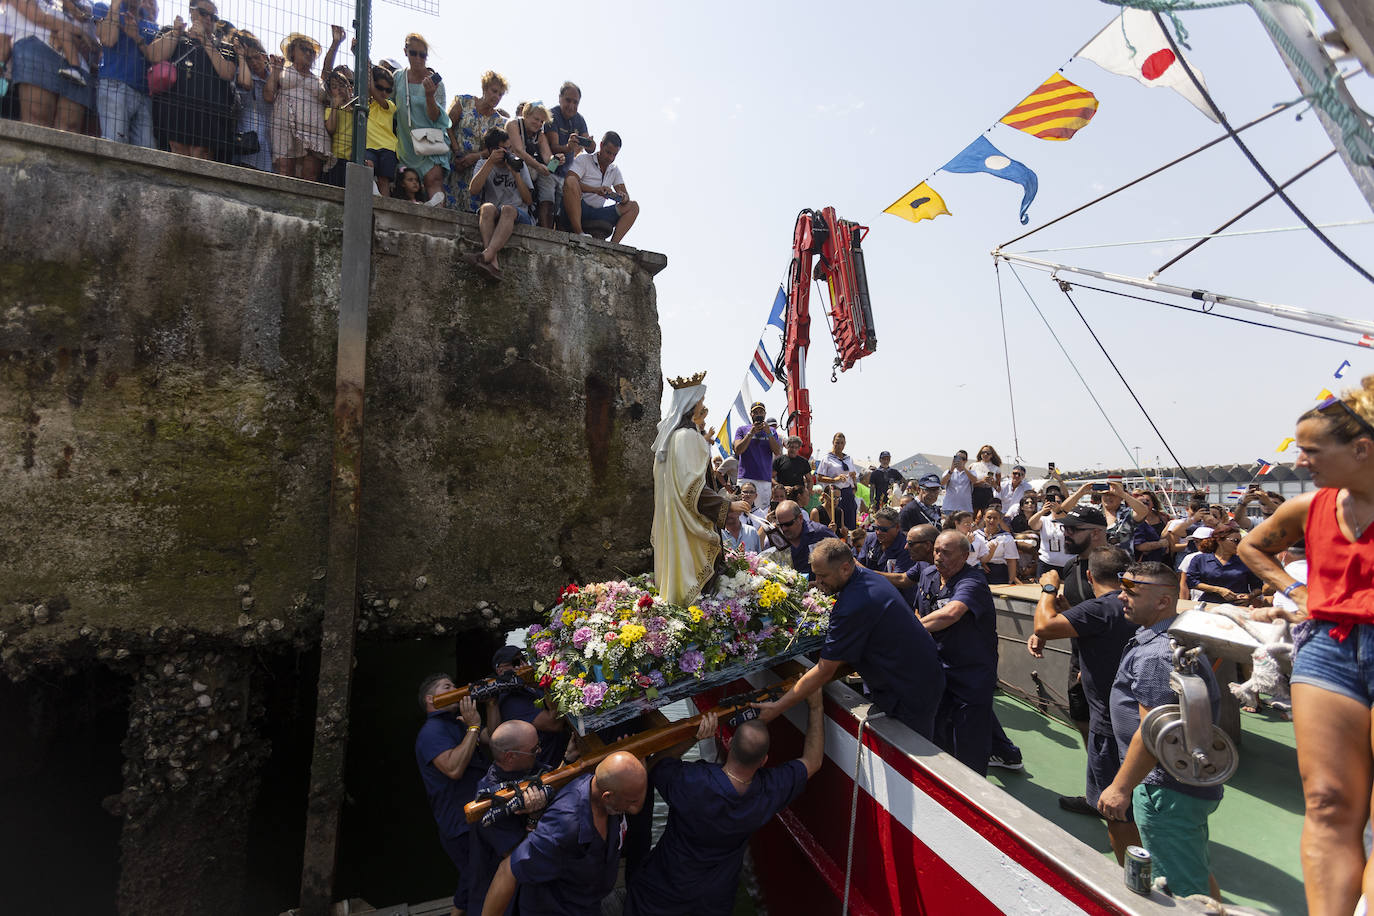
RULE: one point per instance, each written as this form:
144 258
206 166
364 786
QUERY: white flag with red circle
1134 45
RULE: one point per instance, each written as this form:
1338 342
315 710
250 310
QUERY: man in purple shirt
757 446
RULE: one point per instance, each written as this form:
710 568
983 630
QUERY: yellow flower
569 617
695 612
631 632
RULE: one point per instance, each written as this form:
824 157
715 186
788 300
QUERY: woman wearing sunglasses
1333 667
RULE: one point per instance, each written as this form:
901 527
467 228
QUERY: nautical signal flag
1283 446
761 367
1366 340
1237 493
1056 110
921 202
982 156
1264 467
1133 44
724 439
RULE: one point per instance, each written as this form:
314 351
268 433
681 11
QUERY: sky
737 116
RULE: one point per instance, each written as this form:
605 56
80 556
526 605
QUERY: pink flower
558 669
543 648
611 637
581 636
592 694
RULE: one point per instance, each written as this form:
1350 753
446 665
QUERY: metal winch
1182 736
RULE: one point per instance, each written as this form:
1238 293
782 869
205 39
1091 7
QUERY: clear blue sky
737 115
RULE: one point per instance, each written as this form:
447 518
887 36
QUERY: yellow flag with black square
921 202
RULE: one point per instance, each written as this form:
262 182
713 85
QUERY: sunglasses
385 87
885 527
423 55
1133 585
790 521
1334 401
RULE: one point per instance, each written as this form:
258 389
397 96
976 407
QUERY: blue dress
413 113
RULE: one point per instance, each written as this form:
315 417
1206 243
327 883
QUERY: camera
1101 486
435 77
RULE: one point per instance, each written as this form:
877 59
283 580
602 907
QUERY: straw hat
294 37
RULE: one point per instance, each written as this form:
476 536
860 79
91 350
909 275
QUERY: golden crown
687 382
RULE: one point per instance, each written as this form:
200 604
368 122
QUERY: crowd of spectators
208 89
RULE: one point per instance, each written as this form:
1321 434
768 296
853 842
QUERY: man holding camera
503 185
593 181
756 446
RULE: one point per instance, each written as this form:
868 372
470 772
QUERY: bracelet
474 728
1288 592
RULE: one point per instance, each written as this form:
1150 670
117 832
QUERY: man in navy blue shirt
871 628
885 543
919 561
961 617
713 809
446 750
1099 630
1172 816
799 533
881 478
923 510
527 705
570 860
514 752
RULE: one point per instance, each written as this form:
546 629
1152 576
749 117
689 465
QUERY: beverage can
1137 872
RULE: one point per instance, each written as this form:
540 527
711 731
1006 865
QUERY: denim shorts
1345 667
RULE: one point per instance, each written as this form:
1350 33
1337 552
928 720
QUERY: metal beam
339 628
1288 312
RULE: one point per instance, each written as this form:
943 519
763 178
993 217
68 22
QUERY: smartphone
435 77
1101 486
1253 487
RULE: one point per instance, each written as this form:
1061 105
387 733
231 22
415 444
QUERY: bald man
569 861
515 754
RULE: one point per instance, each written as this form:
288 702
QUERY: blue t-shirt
565 867
875 556
125 62
566 127
918 513
442 731
873 629
812 533
491 844
695 867
1143 680
1103 632
1144 534
968 647
1233 574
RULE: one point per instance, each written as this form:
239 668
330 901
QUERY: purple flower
558 668
593 693
657 677
691 661
581 636
543 648
535 628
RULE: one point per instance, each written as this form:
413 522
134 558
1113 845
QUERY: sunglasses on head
1334 401
1133 585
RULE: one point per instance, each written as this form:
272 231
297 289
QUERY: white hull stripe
1002 880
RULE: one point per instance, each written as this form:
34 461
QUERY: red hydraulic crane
832 245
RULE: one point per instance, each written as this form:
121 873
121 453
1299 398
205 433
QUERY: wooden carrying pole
450 697
641 745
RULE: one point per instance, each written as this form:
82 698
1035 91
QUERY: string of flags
760 370
1134 45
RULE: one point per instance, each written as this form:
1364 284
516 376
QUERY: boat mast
1289 312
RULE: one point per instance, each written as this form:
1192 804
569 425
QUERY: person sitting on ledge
500 182
594 180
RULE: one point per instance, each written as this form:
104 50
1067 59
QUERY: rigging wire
1064 287
1230 132
1208 311
1344 224
1006 353
1074 366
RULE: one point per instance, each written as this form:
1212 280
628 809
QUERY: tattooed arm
1261 548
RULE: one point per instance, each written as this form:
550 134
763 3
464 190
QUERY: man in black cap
526 704
756 446
922 511
881 479
793 472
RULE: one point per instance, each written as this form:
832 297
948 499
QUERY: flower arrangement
608 642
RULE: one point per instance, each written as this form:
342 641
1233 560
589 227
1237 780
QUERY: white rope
1193 238
854 808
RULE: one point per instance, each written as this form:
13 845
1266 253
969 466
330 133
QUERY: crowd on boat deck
208 89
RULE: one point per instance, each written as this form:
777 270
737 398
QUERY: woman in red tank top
1333 669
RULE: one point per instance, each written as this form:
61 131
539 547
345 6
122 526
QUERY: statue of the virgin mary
688 513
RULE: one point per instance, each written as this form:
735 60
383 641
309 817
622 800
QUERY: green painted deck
1254 832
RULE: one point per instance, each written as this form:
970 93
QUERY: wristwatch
1049 589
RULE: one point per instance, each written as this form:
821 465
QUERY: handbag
162 76
428 141
425 141
246 143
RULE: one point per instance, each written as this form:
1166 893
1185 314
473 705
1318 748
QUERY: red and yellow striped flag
1054 111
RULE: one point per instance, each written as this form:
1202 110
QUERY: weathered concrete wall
167 338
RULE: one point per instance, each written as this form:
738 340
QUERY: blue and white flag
762 367
778 316
982 156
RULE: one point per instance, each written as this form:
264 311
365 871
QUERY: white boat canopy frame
1287 312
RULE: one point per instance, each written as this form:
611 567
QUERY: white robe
686 543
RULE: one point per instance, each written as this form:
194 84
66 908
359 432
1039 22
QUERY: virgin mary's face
699 413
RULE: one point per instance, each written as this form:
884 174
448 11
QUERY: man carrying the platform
871 628
1100 631
526 704
447 752
1172 816
757 446
919 565
885 543
797 533
514 749
960 615
713 809
923 511
569 862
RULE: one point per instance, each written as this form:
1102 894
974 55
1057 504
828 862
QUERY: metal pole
362 78
339 627
1293 22
1289 312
